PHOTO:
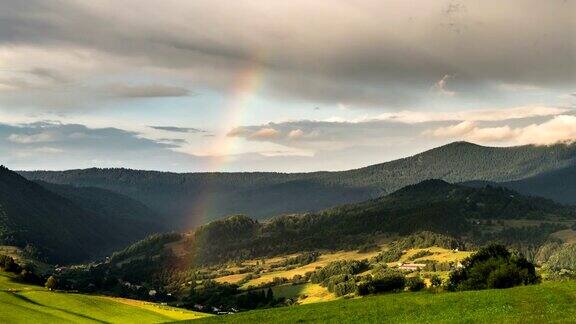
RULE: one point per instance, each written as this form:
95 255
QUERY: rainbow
246 86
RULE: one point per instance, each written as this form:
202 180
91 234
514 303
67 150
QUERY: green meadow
22 303
546 302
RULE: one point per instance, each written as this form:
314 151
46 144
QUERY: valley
418 238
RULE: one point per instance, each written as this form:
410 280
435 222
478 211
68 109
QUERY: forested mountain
189 199
107 203
432 205
61 229
559 185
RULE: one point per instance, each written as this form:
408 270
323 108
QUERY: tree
51 283
415 284
269 294
436 281
493 267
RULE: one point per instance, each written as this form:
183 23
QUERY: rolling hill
432 205
62 229
23 303
546 302
189 199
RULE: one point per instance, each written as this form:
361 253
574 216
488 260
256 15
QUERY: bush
51 283
436 281
493 267
388 280
415 284
345 288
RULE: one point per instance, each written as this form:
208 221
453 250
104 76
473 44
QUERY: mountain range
185 200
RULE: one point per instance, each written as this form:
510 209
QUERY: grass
22 303
440 255
547 302
566 236
18 255
305 293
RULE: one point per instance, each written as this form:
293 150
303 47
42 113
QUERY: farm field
22 303
305 293
439 255
546 302
265 277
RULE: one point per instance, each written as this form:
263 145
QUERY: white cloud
32 138
488 115
460 129
264 133
295 134
559 129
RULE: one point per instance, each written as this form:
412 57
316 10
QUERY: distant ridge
188 199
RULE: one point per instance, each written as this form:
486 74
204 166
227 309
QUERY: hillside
546 302
57 227
105 202
189 199
433 205
23 303
559 185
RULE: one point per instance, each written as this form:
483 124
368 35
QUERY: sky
286 86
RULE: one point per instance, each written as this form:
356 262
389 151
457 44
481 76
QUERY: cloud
559 129
357 57
295 134
493 114
460 129
53 145
40 137
178 129
264 133
145 91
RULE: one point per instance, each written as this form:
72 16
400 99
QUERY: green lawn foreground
21 303
543 303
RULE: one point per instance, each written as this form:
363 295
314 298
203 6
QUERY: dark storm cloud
363 52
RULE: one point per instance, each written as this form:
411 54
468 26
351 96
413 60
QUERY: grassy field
439 255
547 302
305 293
316 293
21 303
323 260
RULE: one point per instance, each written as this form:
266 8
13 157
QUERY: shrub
493 267
388 280
415 284
436 281
345 288
51 283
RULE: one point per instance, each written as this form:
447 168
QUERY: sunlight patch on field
323 260
233 278
22 303
440 255
306 293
